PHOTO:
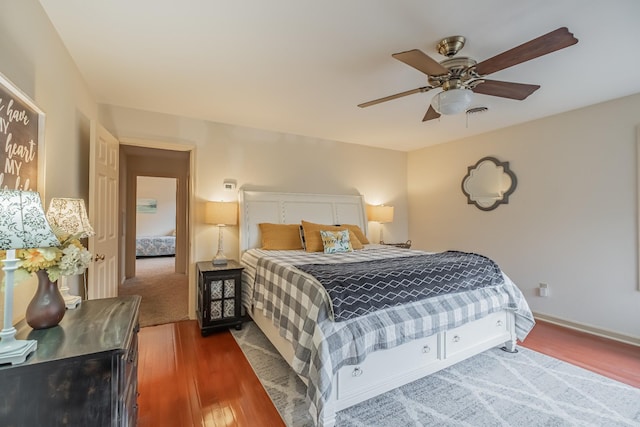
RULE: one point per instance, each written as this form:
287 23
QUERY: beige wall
163 221
34 59
571 222
260 159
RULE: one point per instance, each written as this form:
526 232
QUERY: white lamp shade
381 214
22 221
452 101
221 213
70 216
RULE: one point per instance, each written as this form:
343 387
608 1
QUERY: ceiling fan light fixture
452 101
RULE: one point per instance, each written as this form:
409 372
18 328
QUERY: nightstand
219 293
405 245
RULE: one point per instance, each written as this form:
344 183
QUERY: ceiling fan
459 77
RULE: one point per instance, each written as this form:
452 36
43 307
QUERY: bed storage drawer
384 365
462 339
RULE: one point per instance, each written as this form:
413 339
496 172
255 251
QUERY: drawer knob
456 338
499 323
356 372
426 349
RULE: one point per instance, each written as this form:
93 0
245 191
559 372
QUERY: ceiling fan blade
550 42
431 114
397 95
509 90
421 62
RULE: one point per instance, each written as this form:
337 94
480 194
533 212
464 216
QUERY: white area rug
495 388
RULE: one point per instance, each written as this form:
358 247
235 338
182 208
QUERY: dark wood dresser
84 372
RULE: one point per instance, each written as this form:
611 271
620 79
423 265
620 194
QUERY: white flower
75 258
70 260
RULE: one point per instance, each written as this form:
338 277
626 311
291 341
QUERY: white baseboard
588 329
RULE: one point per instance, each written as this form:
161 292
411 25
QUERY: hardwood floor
606 357
187 380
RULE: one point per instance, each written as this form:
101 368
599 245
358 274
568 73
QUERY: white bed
381 370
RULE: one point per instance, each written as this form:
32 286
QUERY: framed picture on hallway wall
21 139
147 205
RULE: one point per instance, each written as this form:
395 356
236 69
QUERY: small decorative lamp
70 216
22 226
221 214
380 214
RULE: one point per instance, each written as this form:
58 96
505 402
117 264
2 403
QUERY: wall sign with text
21 130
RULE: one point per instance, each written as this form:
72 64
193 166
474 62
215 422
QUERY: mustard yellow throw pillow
357 231
282 237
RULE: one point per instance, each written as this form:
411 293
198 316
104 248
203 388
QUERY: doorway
154 200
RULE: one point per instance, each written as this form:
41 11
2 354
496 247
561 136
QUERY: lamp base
72 301
16 351
12 350
219 261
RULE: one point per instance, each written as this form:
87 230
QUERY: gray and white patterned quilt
299 306
155 245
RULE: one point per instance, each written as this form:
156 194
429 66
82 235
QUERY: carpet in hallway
164 293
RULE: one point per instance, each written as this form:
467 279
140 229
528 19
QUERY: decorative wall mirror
489 183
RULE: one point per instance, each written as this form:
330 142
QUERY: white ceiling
302 67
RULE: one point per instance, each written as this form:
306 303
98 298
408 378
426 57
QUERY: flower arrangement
67 259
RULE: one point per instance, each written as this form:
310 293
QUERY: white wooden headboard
291 208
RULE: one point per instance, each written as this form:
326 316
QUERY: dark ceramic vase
47 307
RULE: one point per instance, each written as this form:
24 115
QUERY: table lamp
22 226
70 216
380 214
221 214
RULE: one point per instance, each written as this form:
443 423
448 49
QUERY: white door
103 213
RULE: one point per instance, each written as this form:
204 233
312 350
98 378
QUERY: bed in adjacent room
150 246
347 330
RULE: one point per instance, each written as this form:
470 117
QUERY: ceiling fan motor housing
459 73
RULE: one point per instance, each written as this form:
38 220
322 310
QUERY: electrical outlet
543 289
